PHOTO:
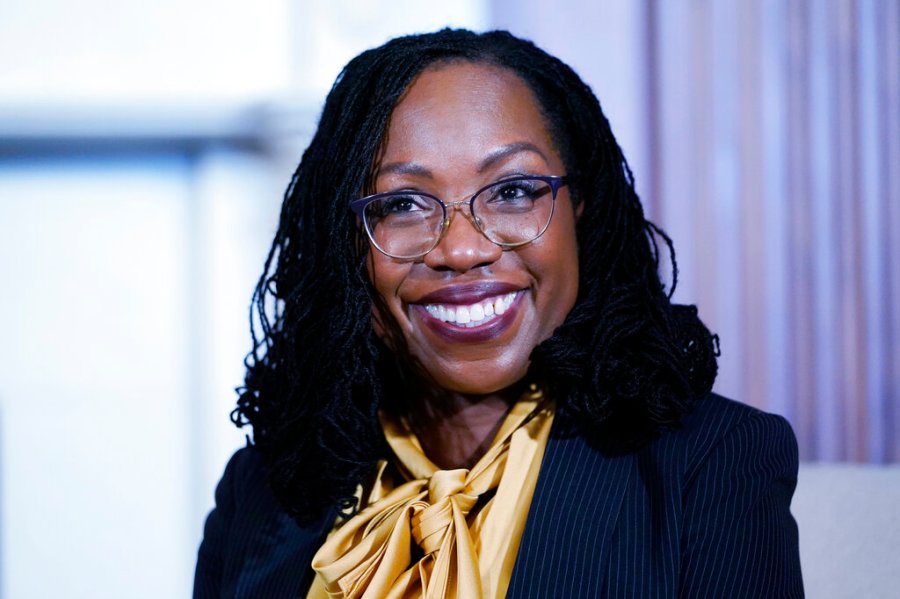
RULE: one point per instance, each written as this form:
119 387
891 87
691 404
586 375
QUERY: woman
470 380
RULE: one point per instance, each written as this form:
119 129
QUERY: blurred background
144 148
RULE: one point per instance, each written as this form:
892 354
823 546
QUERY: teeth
475 314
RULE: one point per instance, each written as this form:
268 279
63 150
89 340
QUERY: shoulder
223 532
245 473
251 547
242 498
737 470
717 424
723 444
245 503
243 490
717 415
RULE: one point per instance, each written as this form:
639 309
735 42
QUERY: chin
480 385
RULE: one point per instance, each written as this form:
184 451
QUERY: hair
625 365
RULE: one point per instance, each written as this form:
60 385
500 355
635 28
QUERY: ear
579 208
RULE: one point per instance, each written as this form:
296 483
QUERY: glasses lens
515 211
404 225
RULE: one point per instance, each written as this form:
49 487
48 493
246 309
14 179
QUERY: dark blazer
703 511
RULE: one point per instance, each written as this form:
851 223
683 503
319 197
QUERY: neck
457 429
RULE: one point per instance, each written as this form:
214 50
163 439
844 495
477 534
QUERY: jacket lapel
573 514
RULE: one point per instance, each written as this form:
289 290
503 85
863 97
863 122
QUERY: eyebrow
508 150
495 156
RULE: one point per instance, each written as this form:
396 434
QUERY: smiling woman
470 380
459 127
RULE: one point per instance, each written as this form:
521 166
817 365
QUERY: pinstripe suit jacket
700 512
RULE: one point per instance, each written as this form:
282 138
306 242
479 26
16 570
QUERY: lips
467 293
470 313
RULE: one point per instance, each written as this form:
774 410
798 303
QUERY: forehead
461 110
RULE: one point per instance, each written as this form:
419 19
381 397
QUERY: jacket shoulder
251 546
715 422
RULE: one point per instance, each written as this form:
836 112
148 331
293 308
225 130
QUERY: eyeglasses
409 224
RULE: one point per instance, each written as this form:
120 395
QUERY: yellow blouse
441 533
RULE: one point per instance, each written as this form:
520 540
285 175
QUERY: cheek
560 297
386 276
560 269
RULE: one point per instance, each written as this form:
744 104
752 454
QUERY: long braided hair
625 365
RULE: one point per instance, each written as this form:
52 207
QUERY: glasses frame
359 207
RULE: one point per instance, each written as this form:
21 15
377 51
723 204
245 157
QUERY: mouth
472 315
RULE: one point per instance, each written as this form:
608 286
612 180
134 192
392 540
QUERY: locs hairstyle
626 358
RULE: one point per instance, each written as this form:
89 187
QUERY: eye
513 191
400 204
517 195
402 209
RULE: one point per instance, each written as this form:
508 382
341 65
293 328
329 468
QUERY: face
458 128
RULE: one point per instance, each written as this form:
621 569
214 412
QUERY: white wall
849 530
114 50
130 237
94 429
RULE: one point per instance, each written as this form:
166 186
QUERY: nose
463 246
